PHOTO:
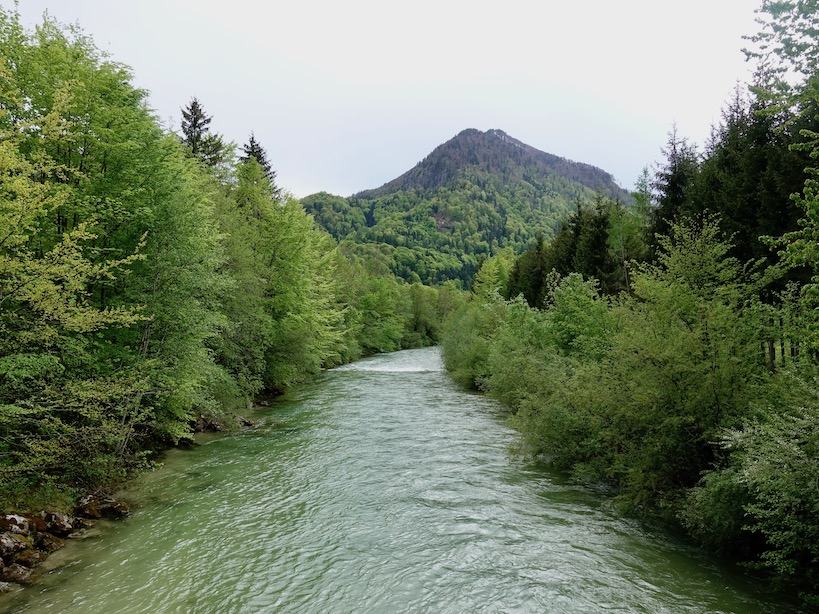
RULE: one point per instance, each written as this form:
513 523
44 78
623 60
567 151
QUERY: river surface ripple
383 487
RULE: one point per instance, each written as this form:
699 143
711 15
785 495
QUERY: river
381 487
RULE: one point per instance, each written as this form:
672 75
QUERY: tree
786 42
642 194
493 276
748 174
209 148
788 46
253 191
672 183
596 241
141 289
195 125
110 270
591 256
253 149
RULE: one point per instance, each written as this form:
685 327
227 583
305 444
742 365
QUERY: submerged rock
114 509
26 541
82 524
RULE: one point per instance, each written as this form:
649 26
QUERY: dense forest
662 343
474 196
148 278
669 349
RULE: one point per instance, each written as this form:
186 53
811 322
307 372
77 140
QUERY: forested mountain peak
499 155
471 197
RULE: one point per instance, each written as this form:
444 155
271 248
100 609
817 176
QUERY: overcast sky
346 95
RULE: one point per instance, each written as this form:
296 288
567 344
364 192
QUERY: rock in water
48 542
16 573
11 544
58 523
30 558
88 507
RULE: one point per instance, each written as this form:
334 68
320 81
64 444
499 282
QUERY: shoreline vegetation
670 349
153 281
150 281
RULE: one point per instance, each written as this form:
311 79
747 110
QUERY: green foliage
763 502
207 147
758 498
466 341
334 214
383 314
598 241
778 461
754 161
673 183
493 276
253 149
800 246
749 174
144 281
787 38
683 365
60 410
536 368
636 391
690 391
473 197
713 512
661 392
305 328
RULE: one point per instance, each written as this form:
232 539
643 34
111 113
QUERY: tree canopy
148 280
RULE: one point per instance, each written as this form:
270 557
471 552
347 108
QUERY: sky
347 95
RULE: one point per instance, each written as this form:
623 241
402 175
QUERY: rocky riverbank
26 540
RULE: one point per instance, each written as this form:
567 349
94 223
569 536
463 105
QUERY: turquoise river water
382 487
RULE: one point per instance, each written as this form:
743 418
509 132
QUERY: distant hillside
478 193
498 154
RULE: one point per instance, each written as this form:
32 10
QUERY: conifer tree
195 125
672 184
255 150
209 148
749 172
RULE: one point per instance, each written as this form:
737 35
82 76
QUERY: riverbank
27 540
664 394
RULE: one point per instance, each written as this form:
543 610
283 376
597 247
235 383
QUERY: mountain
476 194
498 154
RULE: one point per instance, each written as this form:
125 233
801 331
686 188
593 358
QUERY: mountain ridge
423 175
471 197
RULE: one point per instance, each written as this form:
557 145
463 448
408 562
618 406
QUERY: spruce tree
254 149
209 148
672 184
195 125
749 173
